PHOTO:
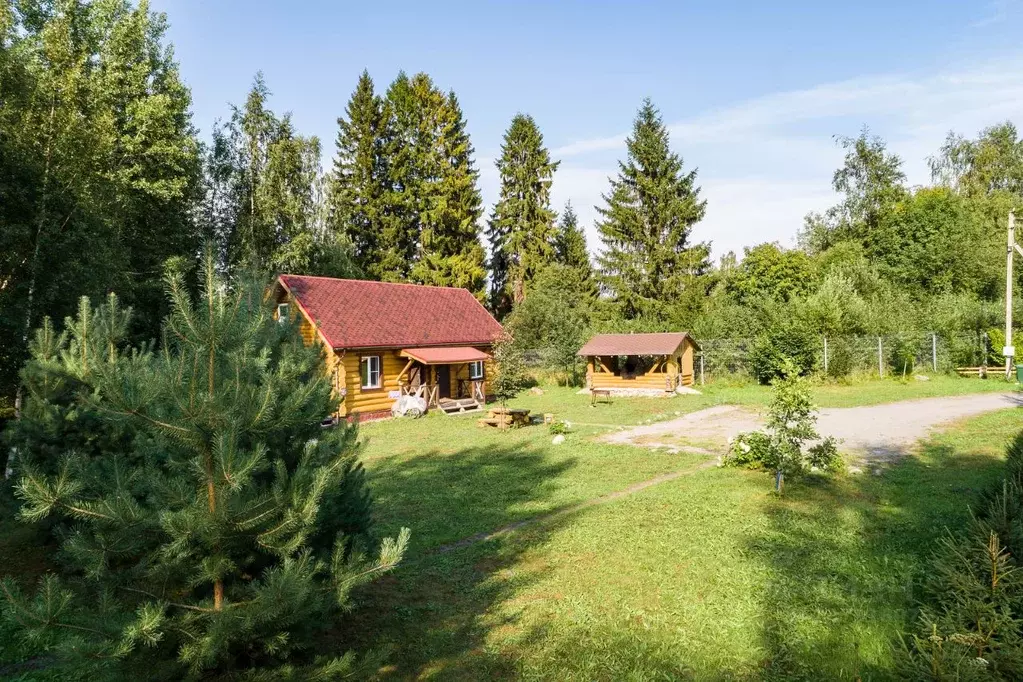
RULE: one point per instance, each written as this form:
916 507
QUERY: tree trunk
779 481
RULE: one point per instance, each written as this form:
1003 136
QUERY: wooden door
443 380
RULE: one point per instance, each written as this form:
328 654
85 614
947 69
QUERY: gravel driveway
877 432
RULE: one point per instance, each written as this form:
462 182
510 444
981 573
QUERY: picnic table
505 418
598 394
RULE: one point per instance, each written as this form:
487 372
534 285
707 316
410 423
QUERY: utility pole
1009 351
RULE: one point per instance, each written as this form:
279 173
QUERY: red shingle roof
361 314
635 344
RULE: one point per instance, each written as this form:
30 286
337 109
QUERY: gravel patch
876 432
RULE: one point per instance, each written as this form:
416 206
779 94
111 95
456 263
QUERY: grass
707 576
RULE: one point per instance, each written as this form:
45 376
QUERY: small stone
536 390
558 440
922 377
855 470
876 472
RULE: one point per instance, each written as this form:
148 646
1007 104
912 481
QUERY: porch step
461 406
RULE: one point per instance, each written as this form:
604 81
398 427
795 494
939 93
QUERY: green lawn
707 576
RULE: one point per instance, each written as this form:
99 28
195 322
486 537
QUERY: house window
282 313
370 367
476 369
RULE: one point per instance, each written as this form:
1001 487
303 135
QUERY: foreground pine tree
222 528
649 263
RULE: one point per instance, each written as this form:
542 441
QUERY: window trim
367 360
482 367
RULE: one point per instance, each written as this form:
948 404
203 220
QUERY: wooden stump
505 418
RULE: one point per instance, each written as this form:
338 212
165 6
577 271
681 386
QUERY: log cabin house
661 361
384 340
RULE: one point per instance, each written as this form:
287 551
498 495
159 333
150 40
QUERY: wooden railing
472 388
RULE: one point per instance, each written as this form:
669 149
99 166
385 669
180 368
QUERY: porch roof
444 356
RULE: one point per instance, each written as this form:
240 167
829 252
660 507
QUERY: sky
754 93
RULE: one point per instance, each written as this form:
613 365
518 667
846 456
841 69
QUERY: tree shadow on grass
435 611
844 556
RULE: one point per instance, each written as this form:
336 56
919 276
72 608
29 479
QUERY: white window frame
474 365
283 314
367 379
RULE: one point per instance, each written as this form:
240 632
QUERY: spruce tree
356 185
521 230
404 151
570 243
649 264
432 204
450 252
219 527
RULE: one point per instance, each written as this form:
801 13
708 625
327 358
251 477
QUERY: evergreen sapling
218 528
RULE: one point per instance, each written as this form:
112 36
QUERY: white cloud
765 162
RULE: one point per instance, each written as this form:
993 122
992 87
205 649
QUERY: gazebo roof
663 343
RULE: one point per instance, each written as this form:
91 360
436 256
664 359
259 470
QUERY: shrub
791 424
901 356
559 427
510 377
995 344
788 345
749 450
840 358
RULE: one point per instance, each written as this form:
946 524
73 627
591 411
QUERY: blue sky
753 91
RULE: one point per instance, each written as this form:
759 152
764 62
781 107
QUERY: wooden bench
981 372
598 394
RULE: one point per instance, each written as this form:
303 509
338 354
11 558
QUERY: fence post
934 352
825 355
880 358
701 369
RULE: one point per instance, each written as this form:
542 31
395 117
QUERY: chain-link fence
877 355
838 356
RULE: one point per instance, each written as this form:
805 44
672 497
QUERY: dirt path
876 432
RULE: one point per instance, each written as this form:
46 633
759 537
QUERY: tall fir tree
357 182
450 252
432 204
403 150
649 264
521 230
570 243
216 527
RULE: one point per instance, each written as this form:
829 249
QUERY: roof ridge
377 281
